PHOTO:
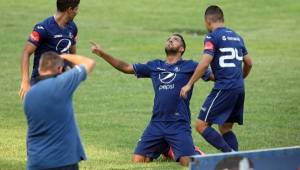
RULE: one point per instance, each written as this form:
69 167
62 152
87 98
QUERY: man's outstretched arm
116 63
88 63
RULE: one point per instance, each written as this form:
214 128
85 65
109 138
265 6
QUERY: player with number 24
225 52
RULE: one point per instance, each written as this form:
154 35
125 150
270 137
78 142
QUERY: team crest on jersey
35 36
208 45
176 69
71 35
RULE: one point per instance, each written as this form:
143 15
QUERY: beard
171 50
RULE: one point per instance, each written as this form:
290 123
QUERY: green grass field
112 108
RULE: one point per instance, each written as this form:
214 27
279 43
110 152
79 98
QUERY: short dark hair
50 61
182 40
214 13
63 5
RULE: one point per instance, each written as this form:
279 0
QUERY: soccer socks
215 139
231 140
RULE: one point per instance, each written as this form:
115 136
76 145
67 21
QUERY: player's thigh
218 106
181 141
151 144
237 113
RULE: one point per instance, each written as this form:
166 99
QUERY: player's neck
172 59
217 25
61 19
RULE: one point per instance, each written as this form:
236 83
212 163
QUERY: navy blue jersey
227 49
167 82
48 36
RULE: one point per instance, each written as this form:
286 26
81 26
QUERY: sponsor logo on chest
166 79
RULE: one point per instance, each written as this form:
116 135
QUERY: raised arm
247 65
25 61
88 63
200 70
116 63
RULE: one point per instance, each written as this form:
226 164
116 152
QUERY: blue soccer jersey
227 49
48 36
167 80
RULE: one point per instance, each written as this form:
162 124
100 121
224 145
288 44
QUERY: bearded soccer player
56 33
225 52
170 122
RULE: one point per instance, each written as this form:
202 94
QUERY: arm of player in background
200 70
247 65
25 62
116 63
212 77
73 49
88 63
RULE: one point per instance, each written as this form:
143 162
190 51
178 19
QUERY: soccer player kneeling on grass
170 122
225 51
53 140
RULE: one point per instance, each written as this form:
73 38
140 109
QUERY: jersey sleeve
142 70
206 74
37 35
71 79
209 45
74 39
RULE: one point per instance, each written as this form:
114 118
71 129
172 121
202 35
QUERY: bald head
51 62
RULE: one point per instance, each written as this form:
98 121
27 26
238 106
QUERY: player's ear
181 49
69 9
60 69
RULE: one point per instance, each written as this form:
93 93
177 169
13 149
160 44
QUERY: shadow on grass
190 31
12 165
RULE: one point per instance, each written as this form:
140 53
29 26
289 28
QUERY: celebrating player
170 122
225 52
56 33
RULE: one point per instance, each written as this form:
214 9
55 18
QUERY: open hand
25 86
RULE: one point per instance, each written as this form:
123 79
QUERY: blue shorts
223 106
158 136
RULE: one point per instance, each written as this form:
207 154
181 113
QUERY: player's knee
184 160
201 126
140 158
225 128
